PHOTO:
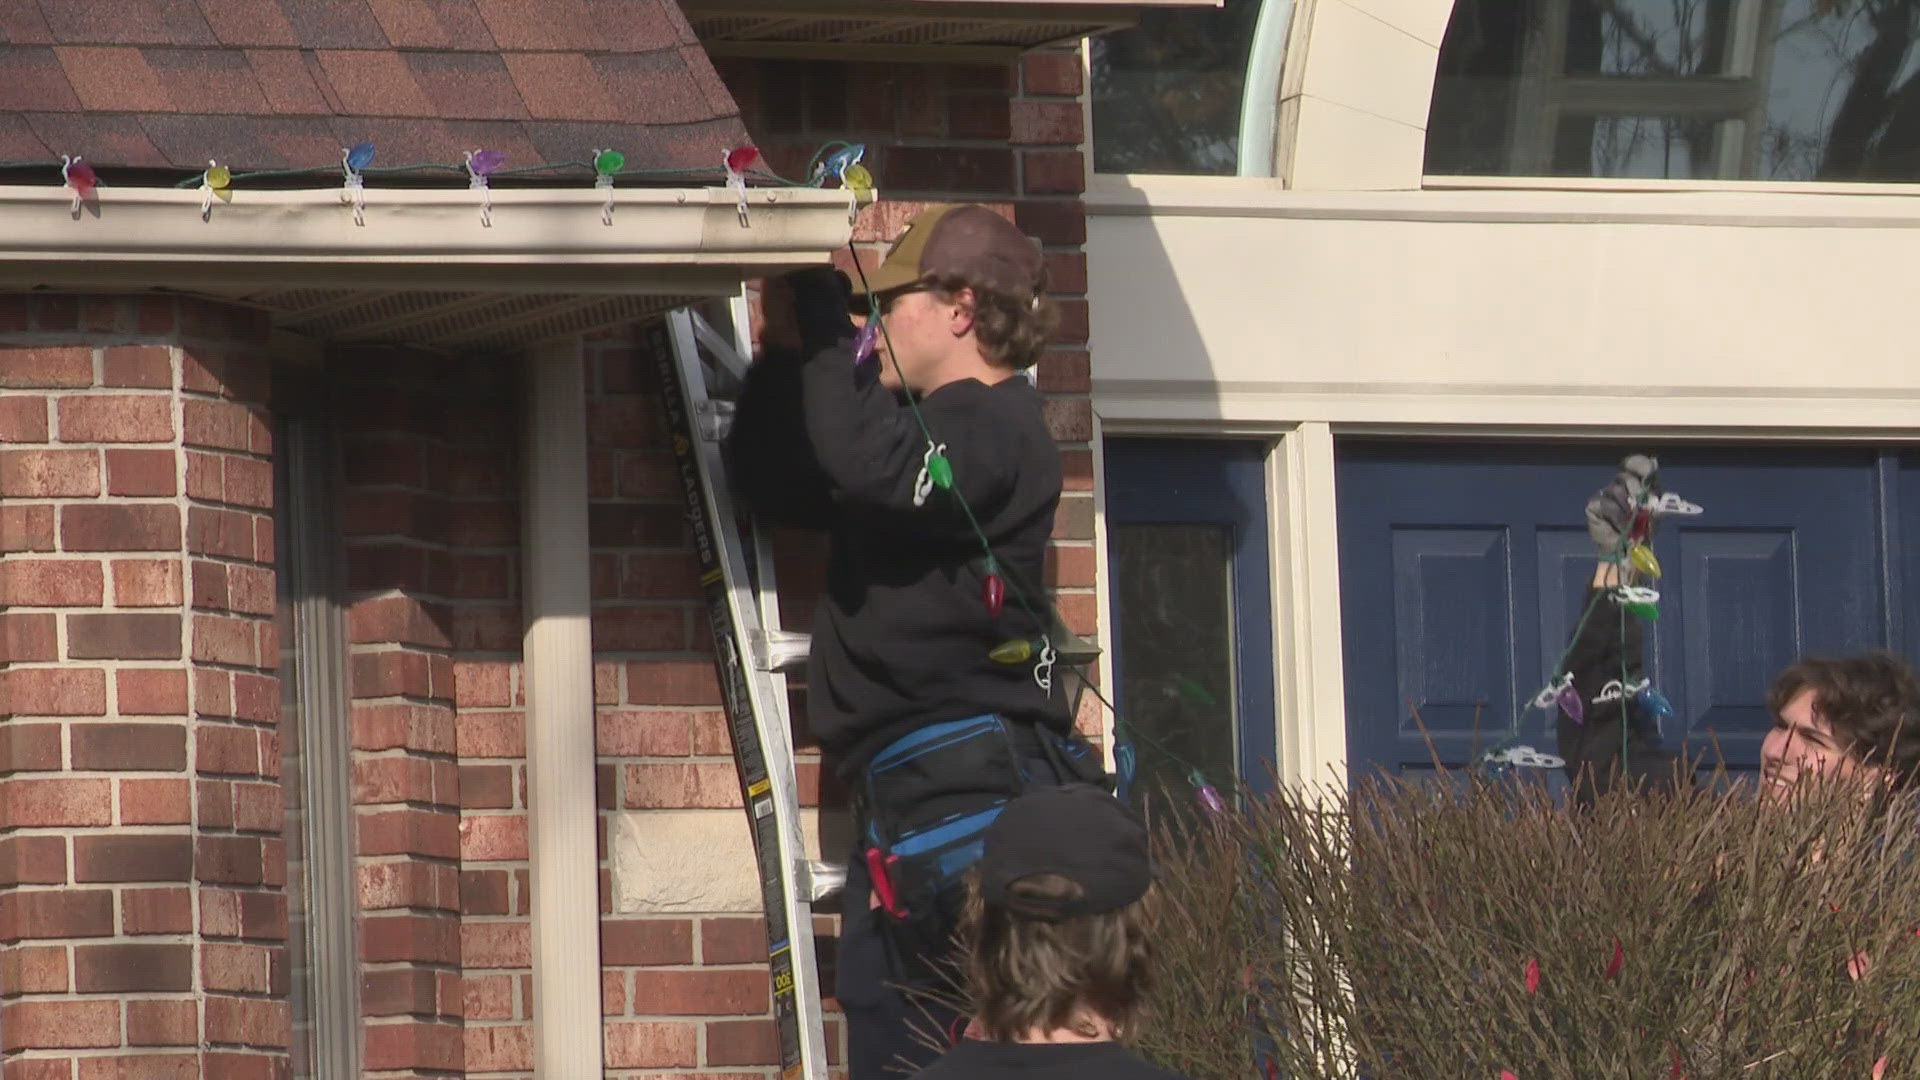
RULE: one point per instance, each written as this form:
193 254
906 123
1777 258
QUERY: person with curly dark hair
1850 715
1058 942
1854 716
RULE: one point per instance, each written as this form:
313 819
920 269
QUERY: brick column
143 914
1048 128
395 515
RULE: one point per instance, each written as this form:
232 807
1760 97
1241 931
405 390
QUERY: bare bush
1465 928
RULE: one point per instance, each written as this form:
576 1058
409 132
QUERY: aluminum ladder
701 366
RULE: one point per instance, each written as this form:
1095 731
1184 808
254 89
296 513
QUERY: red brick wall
136 565
143 917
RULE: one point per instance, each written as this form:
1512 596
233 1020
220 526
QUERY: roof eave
677 241
966 31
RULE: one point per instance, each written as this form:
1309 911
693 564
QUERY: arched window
1680 89
1171 94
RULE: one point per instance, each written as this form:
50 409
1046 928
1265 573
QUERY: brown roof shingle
283 84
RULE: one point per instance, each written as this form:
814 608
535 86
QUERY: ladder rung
820 880
716 419
779 650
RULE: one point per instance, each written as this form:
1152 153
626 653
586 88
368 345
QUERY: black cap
1078 832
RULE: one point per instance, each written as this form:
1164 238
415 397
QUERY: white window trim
1448 182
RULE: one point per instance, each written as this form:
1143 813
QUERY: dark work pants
894 1028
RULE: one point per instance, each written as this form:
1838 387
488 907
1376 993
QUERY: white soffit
423 270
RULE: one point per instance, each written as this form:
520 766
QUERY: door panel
1747 581
1450 608
1464 571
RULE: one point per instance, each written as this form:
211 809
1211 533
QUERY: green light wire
1619 559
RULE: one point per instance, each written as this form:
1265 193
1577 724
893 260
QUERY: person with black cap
1059 942
935 475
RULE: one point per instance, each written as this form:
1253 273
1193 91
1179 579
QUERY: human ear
960 318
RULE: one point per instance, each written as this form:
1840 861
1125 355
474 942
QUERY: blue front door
1463 569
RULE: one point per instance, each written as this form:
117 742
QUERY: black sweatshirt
1608 662
901 638
975 1059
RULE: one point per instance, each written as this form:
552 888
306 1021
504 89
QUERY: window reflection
1648 37
1638 146
1173 590
1686 89
1166 93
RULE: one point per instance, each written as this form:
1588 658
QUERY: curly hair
1025 973
1872 701
1012 330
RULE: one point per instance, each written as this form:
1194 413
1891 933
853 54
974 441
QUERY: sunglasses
881 302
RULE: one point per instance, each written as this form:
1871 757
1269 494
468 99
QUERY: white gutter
414 238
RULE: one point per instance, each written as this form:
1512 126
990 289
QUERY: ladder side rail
756 707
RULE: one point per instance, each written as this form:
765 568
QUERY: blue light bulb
1654 703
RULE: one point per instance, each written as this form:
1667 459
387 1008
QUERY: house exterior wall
143 913
1353 296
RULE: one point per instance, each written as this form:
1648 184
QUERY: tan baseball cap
970 241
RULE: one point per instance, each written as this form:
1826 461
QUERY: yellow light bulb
1012 652
1643 560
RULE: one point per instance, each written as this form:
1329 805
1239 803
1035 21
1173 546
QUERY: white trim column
1104 668
1310 715
562 817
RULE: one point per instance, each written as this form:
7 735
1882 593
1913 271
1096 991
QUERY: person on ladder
929 685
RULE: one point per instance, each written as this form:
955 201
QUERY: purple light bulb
1210 800
1572 704
865 343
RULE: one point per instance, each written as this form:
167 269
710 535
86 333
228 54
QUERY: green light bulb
940 471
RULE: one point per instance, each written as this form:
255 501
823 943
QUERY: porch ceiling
955 30
450 322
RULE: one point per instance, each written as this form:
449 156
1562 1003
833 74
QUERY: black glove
1611 511
820 304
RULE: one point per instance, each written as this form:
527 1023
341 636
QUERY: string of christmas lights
839 162
1636 569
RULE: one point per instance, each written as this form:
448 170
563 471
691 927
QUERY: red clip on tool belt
879 865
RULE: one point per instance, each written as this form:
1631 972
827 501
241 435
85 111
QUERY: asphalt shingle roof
285 84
